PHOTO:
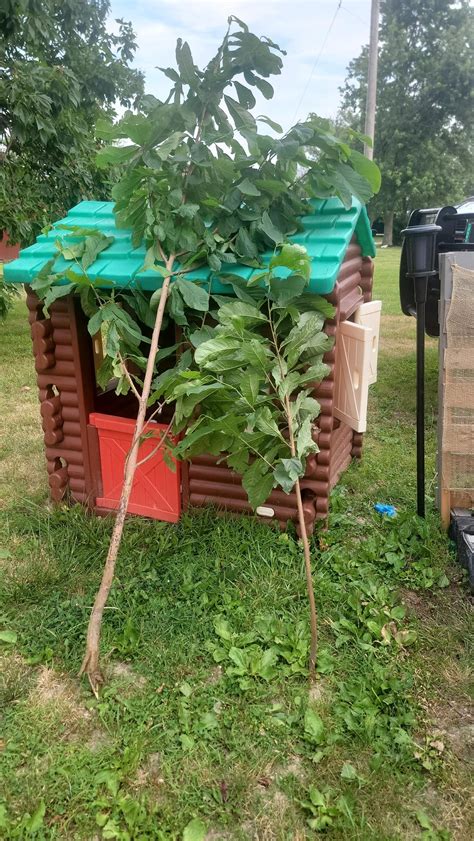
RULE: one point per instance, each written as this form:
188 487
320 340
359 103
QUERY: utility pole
372 78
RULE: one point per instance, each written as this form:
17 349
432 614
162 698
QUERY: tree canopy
60 69
425 89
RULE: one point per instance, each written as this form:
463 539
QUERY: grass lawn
205 727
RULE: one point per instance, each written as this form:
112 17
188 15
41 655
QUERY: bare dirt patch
126 676
150 774
59 700
456 721
421 604
214 677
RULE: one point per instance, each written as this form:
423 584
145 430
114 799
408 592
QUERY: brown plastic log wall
208 481
66 384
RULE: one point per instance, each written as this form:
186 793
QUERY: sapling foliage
249 391
205 185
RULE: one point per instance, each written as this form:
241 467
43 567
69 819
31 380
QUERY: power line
316 61
354 15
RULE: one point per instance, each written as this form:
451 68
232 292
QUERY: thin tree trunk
309 584
388 228
90 663
313 616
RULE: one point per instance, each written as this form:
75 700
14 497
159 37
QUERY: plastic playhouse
87 430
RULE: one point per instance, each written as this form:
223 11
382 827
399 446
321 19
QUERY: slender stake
309 585
90 663
313 616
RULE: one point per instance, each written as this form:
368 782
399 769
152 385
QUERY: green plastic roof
327 232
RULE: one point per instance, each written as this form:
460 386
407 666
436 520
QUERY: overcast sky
307 83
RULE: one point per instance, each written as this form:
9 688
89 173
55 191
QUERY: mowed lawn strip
206 725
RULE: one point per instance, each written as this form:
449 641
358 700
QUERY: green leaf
257 354
257 482
248 188
275 126
276 188
293 257
368 169
88 301
185 63
194 296
270 229
207 351
305 406
250 386
55 292
240 314
95 322
241 660
348 772
314 374
423 819
70 251
317 797
317 302
264 87
110 780
266 423
243 120
9 637
314 730
93 246
245 246
202 335
106 130
306 333
185 690
3 816
304 441
169 145
245 95
283 291
195 830
221 627
348 183
115 155
321 823
266 664
35 823
286 472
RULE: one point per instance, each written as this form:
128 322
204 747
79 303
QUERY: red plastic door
156 488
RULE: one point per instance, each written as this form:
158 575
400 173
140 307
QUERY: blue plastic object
384 508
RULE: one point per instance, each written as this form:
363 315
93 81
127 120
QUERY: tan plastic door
352 374
369 315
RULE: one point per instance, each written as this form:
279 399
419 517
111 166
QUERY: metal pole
372 78
421 289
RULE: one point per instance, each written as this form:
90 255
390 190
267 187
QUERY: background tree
423 132
60 69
